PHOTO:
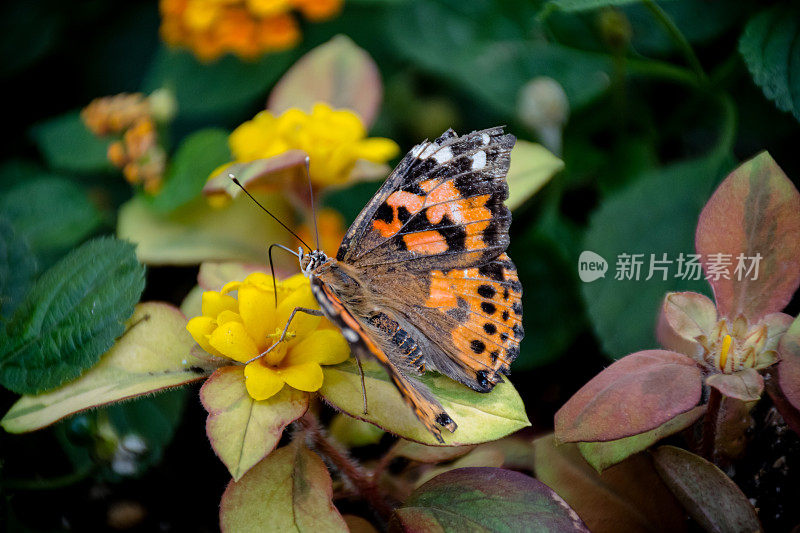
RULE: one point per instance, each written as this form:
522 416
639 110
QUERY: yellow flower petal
228 316
376 149
200 328
257 308
261 381
261 280
232 341
306 377
302 323
230 287
325 347
214 303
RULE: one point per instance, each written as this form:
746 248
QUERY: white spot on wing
479 160
426 153
350 335
416 150
444 155
485 138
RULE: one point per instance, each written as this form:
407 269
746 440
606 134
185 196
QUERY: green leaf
352 432
154 352
601 455
655 215
198 232
194 161
152 421
428 454
17 268
223 87
53 214
242 430
770 46
289 491
67 144
585 5
628 497
71 316
480 417
532 166
484 500
338 73
707 494
489 55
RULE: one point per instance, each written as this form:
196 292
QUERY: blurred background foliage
663 100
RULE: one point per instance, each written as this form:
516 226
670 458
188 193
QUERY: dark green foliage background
648 138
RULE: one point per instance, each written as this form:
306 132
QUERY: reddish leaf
635 394
626 497
788 369
684 316
756 210
746 385
707 494
485 499
790 413
338 73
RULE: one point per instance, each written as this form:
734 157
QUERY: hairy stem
364 484
707 444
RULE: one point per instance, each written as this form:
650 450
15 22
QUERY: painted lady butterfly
421 280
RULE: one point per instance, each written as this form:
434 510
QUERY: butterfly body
421 281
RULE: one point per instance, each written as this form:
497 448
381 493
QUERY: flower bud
542 105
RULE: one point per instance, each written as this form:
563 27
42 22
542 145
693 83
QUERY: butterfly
422 281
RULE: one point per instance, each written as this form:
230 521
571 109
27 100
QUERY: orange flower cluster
137 151
247 28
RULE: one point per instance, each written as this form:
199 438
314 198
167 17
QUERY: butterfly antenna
296 236
272 268
311 198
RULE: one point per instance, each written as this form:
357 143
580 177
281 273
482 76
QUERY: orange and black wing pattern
382 338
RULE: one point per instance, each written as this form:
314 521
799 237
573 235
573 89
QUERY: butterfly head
311 261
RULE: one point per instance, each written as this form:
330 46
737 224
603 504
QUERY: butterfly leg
313 312
363 386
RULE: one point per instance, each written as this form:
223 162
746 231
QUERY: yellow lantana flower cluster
333 139
243 326
247 28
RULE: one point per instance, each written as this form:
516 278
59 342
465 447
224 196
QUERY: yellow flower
248 325
333 139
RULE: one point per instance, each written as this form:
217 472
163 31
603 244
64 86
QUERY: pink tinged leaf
602 455
745 385
707 494
338 73
485 499
788 368
636 394
269 173
789 412
685 316
627 497
756 210
242 430
428 454
290 490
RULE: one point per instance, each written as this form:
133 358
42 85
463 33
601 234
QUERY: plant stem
707 444
677 37
364 484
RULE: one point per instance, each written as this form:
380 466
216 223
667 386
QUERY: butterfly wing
383 339
431 248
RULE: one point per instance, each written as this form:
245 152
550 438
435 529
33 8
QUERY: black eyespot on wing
493 270
384 213
488 308
477 346
505 315
487 291
490 328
